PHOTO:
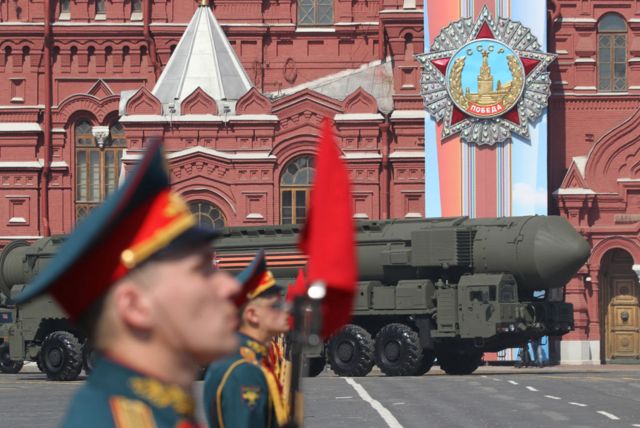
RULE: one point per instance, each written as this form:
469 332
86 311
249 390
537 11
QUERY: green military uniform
242 391
117 397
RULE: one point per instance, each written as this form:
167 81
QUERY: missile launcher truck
449 288
7 313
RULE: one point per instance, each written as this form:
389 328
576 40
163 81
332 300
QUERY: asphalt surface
588 396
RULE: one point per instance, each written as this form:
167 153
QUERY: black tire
398 351
88 358
460 363
350 352
39 362
315 365
428 357
7 365
61 356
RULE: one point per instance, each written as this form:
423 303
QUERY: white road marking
497 380
384 413
553 397
513 382
635 425
344 398
398 404
531 388
577 404
483 376
609 415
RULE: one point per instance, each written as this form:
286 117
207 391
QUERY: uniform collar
258 348
117 379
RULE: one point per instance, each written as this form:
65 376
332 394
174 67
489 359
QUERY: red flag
328 236
297 289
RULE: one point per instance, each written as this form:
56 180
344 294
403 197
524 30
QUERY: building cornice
406 11
350 117
361 155
258 156
407 154
574 191
20 127
408 114
39 164
197 118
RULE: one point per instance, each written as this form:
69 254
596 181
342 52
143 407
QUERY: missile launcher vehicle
449 288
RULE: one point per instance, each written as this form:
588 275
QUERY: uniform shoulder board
129 413
248 355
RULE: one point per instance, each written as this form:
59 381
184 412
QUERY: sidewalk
603 368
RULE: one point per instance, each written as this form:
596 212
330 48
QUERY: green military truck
40 331
450 289
7 314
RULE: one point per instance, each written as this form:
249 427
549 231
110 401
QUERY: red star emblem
485 123
485 33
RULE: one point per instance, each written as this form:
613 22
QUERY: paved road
493 397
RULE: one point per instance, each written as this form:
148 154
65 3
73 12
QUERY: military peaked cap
142 219
256 280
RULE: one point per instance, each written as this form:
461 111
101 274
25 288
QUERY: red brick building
80 93
594 164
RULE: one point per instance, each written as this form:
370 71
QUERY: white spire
203 58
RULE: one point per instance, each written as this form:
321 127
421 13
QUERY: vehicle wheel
39 362
351 351
315 365
7 365
88 358
460 363
428 357
61 355
398 350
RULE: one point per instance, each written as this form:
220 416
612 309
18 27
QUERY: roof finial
204 2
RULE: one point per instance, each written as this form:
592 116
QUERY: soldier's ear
133 306
250 316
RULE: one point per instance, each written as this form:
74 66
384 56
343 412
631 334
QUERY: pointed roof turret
203 58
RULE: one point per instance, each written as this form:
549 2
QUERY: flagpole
307 324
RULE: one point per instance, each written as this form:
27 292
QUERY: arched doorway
620 309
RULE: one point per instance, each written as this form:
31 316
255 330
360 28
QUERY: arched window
612 53
97 164
295 187
207 214
315 12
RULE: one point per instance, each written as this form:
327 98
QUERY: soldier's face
272 314
193 310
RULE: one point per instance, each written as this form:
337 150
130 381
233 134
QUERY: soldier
245 390
137 276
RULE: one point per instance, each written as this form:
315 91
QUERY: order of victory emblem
484 80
